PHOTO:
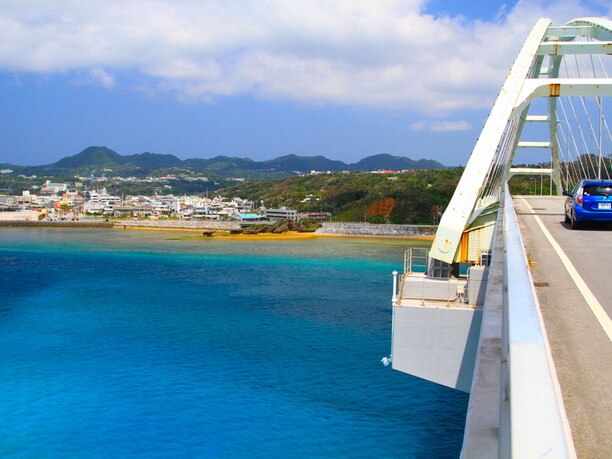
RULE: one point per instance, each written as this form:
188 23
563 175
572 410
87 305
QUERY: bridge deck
581 348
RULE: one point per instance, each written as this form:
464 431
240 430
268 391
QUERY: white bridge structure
465 313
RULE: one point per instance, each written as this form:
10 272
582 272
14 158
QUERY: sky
258 78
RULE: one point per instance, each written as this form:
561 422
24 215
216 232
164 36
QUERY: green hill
152 160
408 197
91 156
294 163
396 163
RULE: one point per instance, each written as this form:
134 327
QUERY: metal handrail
412 256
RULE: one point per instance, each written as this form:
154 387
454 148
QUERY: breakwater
372 229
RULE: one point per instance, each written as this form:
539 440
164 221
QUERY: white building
21 216
53 188
282 213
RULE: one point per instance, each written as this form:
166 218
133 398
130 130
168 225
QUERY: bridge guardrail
533 422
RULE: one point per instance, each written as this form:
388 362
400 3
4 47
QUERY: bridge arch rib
489 165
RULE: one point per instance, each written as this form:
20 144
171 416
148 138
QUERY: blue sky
344 79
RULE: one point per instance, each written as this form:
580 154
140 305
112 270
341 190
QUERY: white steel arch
472 207
465 327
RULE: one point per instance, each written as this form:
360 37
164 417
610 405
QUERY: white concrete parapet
533 422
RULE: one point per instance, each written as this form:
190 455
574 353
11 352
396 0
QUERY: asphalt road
581 348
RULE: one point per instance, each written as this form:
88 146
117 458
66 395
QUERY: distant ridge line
102 157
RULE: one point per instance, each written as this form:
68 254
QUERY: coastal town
60 202
72 204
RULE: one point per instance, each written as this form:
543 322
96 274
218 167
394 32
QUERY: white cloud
357 52
445 126
441 126
101 77
96 76
420 125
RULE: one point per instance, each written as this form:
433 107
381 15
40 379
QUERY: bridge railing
533 422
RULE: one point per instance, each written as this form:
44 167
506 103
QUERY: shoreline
218 233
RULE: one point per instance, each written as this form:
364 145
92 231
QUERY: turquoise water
126 343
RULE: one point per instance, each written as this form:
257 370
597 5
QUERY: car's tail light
579 199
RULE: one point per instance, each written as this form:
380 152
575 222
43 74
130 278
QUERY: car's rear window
594 190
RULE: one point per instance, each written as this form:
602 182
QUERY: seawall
372 229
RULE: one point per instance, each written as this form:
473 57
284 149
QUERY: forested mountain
396 163
104 160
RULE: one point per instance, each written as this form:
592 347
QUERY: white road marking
599 312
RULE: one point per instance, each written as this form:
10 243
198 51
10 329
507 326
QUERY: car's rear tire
573 222
567 219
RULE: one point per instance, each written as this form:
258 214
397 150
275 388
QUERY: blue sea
118 343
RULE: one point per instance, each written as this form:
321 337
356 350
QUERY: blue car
589 201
